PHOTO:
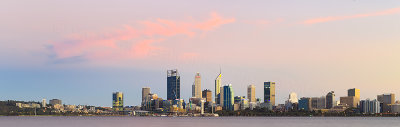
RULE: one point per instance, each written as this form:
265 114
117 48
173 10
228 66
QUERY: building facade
355 93
196 89
269 93
370 106
55 101
305 104
145 92
207 95
228 97
118 101
218 88
330 100
386 100
173 85
251 93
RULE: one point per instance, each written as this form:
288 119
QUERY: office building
318 103
251 93
330 100
349 101
370 106
55 101
269 93
386 100
218 88
196 88
118 101
305 104
145 93
356 93
207 95
228 97
173 85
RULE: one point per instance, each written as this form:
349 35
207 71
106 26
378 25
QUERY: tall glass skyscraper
218 88
118 101
173 85
228 96
269 93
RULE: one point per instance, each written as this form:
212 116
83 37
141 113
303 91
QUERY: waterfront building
118 101
55 101
207 95
173 85
386 100
370 106
269 93
251 93
44 104
305 104
221 98
330 100
228 96
196 88
218 88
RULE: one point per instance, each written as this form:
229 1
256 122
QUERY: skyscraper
218 88
173 85
330 100
118 101
207 94
228 96
386 100
145 93
269 93
356 93
196 88
251 93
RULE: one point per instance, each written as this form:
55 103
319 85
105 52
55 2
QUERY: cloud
132 41
336 18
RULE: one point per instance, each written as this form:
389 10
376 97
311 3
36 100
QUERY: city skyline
81 52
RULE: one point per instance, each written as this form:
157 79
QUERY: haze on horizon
82 51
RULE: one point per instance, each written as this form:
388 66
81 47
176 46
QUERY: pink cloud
336 18
143 40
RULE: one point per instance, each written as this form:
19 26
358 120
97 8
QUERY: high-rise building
386 100
145 93
221 96
330 100
55 101
370 106
269 93
305 104
173 85
318 103
44 103
196 88
118 101
293 98
251 93
228 96
218 88
207 94
356 93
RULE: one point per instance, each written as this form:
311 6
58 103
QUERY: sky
82 51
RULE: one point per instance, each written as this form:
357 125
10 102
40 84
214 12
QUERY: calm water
199 122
